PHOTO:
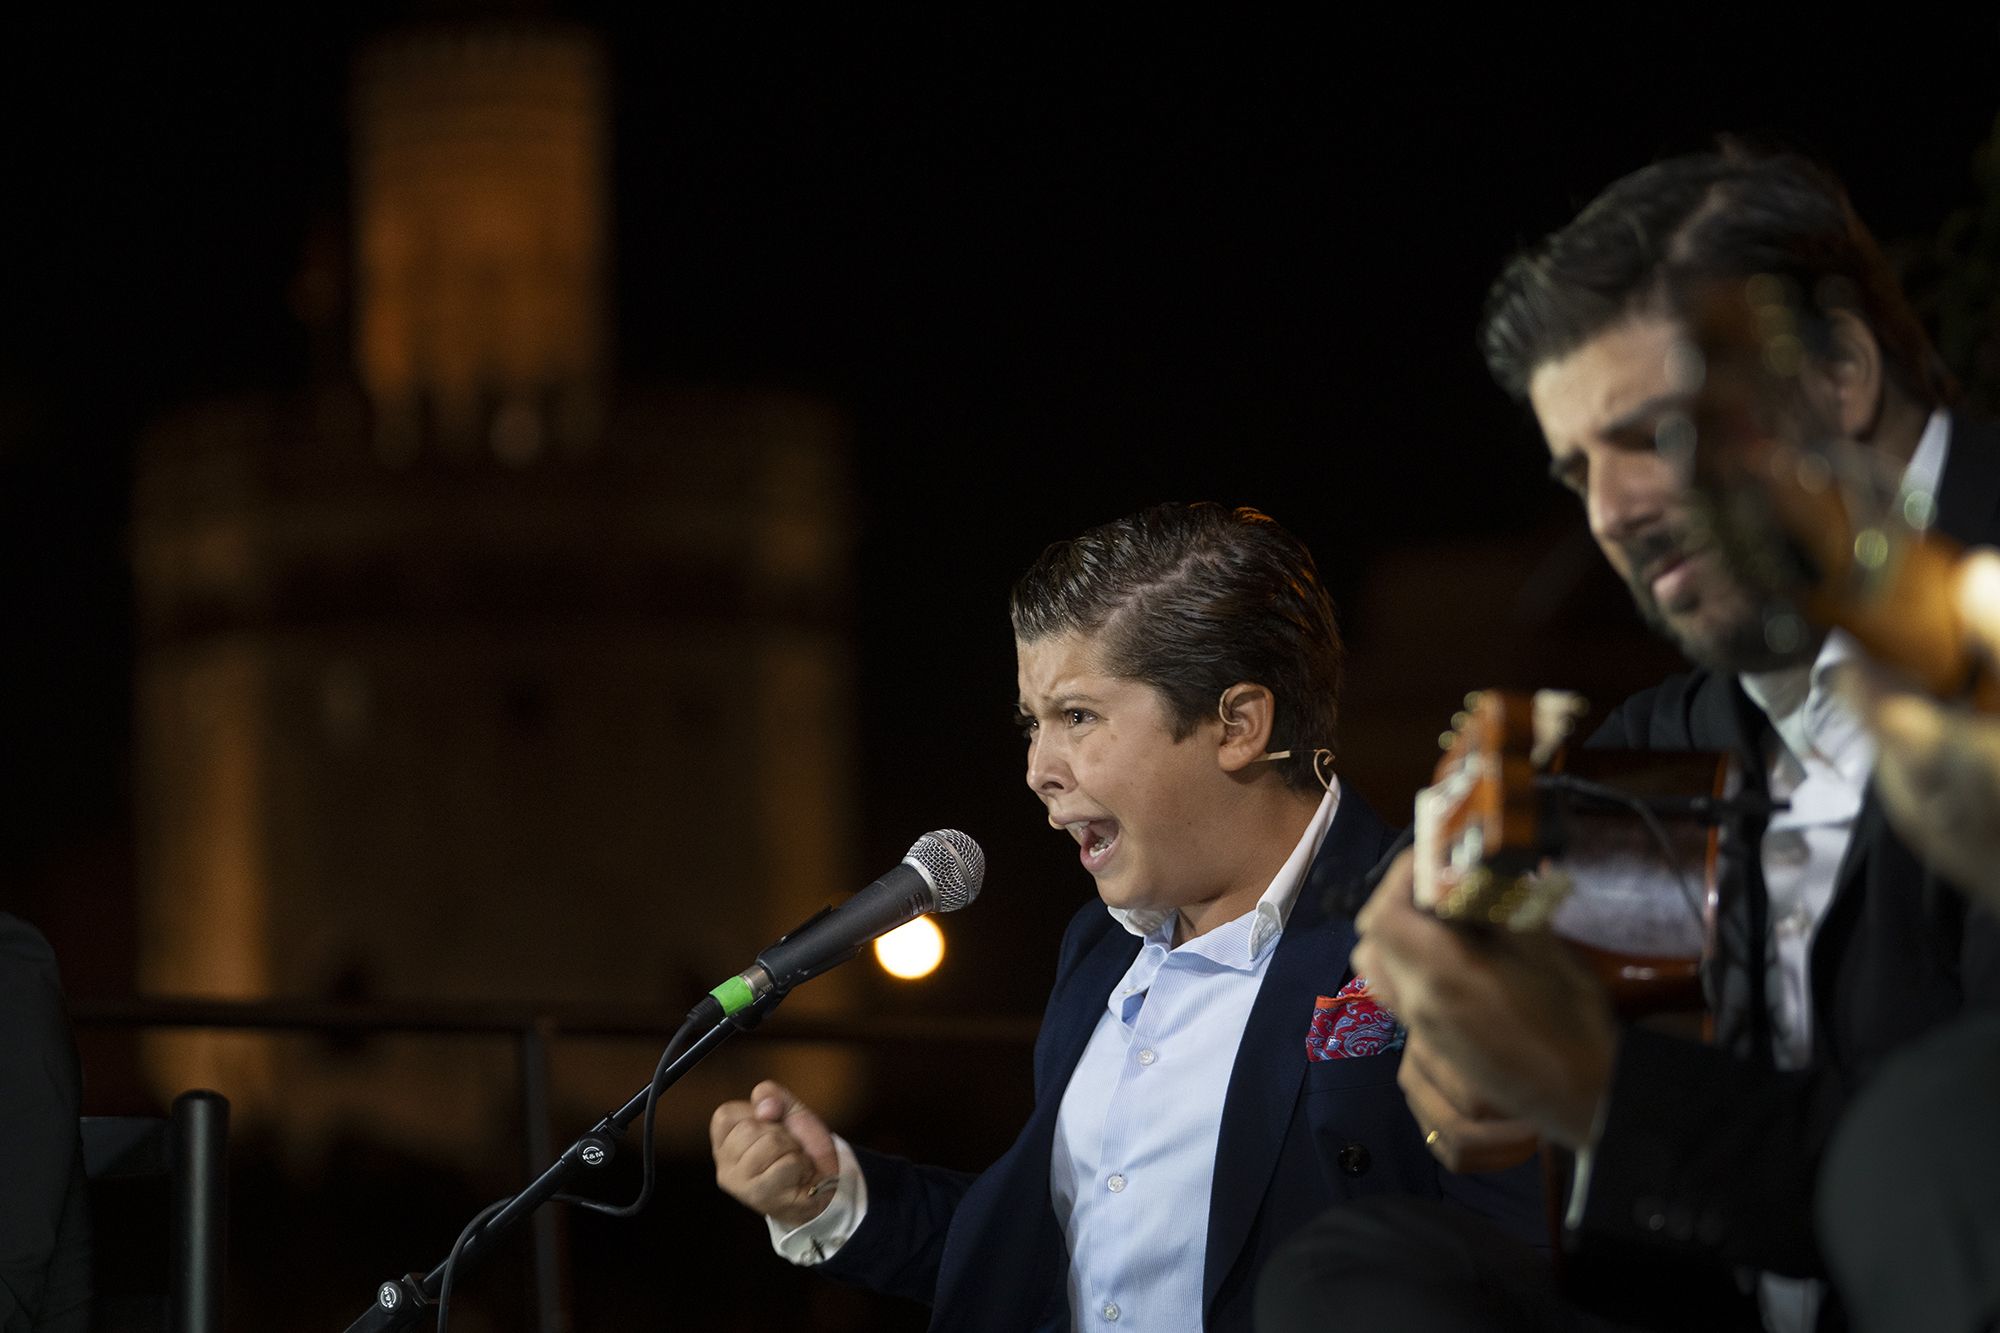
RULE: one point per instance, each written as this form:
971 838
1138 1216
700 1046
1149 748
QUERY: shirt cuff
820 1239
1579 1190
1584 1157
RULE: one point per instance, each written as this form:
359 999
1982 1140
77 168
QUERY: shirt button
1110 1313
1116 1185
1147 1056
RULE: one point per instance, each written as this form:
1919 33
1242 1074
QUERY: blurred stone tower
481 244
479 675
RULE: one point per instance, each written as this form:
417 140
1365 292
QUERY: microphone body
942 873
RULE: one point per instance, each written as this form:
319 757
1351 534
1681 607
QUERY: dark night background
1054 266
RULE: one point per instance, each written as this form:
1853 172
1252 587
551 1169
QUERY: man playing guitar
1835 945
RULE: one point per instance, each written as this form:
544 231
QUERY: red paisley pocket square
1350 1024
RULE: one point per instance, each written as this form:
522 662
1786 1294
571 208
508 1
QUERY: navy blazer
986 1251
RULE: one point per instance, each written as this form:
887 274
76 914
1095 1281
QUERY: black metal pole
200 1129
401 1302
551 1288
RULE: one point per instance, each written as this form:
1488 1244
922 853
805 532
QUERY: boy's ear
1248 712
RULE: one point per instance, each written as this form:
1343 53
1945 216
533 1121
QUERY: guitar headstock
1820 528
1479 835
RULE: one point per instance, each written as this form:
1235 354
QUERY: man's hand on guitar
1507 1033
1463 1132
1938 769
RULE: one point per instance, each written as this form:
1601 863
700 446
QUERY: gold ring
1430 1139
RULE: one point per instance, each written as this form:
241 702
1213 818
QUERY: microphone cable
703 1016
1571 785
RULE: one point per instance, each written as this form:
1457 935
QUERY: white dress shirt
1133 1159
1819 770
1820 767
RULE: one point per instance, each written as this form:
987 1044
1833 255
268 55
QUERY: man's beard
1733 635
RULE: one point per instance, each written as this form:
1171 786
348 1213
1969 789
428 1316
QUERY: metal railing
532 1030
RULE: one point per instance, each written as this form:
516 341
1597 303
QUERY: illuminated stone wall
481 239
482 678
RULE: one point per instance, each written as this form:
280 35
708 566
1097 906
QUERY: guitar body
1607 849
1642 902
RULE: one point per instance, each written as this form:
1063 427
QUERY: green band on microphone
734 995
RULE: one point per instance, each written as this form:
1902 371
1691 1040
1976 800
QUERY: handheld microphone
942 873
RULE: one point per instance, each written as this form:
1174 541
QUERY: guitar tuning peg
1472 699
1445 739
1459 719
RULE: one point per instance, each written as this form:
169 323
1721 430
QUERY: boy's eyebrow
1061 700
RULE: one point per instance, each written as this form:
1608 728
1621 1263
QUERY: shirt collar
1805 708
1808 711
1273 909
1926 467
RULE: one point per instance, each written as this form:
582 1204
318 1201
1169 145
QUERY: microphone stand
401 1302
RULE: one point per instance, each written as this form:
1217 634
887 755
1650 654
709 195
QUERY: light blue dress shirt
1134 1154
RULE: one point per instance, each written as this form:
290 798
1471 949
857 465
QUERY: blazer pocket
1355 1071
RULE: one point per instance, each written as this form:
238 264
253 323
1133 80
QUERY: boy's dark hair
1194 598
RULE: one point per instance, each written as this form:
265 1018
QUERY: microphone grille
954 865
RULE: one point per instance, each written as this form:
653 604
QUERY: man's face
1102 757
1600 409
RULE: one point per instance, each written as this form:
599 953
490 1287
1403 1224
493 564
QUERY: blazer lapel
1843 906
1310 960
1016 1222
1969 492
1723 717
1075 1008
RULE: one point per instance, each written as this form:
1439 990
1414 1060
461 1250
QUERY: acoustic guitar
1615 851
1824 536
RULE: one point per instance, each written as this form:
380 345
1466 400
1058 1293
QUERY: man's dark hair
1191 599
1681 224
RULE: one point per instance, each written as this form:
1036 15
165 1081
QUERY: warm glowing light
911 951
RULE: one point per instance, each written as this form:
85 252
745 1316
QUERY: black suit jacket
1295 1137
1710 1150
44 1231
